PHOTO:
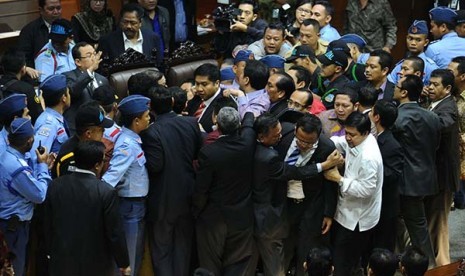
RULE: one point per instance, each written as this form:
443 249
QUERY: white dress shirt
136 46
359 199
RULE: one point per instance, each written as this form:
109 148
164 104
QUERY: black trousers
171 245
413 211
222 249
347 248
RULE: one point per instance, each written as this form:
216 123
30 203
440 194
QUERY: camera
224 17
286 17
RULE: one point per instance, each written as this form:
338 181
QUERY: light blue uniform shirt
328 33
3 140
430 66
50 129
444 50
19 189
127 172
50 62
112 133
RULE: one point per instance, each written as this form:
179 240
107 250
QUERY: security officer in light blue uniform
13 106
56 56
447 44
274 62
357 54
128 174
417 31
50 127
21 187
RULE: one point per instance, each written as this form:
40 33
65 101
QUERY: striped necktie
292 159
199 111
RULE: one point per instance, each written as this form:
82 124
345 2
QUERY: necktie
292 159
199 110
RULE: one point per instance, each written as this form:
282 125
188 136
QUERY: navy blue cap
54 84
134 104
418 27
105 95
300 52
12 104
460 18
339 45
336 57
227 74
60 30
243 55
355 39
91 115
443 14
21 128
273 61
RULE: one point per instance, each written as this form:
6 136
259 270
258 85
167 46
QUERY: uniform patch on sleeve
45 131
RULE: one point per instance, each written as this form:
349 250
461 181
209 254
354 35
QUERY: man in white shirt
359 203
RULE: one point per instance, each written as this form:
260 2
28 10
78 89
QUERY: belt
136 198
297 200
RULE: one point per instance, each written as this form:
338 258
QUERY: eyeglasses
400 87
295 104
304 143
302 10
89 55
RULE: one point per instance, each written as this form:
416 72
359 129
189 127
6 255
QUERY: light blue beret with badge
21 128
134 104
243 55
355 39
12 104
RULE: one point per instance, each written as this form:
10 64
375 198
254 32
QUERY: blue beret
460 18
355 39
227 74
21 128
243 55
443 14
134 104
54 84
273 61
418 27
12 104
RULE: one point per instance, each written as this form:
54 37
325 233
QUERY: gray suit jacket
418 132
81 93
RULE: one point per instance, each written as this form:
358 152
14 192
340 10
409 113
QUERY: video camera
286 17
224 17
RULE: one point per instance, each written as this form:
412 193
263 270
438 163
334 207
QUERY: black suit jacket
32 38
224 179
271 174
448 158
170 144
388 90
323 192
83 225
278 107
80 92
206 120
418 131
112 45
393 163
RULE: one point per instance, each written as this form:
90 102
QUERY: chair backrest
119 80
178 73
445 270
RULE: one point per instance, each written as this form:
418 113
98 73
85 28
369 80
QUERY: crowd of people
303 152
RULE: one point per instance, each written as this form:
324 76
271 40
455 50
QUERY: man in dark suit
222 199
279 88
441 84
269 192
383 115
84 229
186 20
413 124
170 145
83 80
377 69
35 34
207 91
130 35
311 203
